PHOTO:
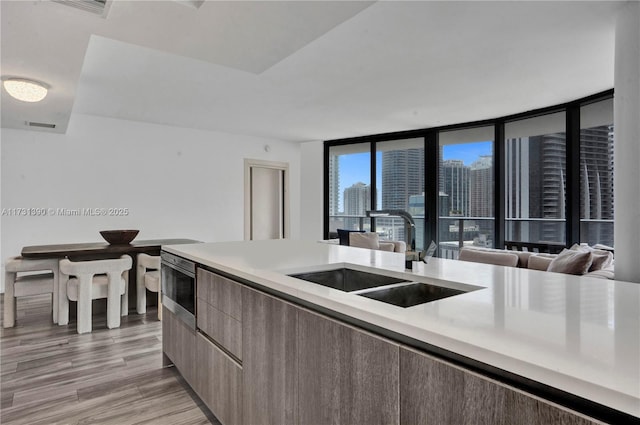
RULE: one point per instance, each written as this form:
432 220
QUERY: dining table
101 251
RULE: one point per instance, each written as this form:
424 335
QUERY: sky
355 167
468 152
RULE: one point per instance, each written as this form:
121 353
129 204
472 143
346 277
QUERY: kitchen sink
348 280
411 294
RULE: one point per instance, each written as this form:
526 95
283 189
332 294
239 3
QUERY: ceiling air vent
40 124
99 7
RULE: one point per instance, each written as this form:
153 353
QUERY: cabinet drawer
220 327
218 382
221 293
435 391
178 340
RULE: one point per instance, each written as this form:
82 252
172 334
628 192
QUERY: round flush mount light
24 89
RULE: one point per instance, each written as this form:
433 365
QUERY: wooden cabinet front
436 392
221 293
346 375
219 310
270 373
218 382
178 342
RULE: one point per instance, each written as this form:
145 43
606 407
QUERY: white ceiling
305 70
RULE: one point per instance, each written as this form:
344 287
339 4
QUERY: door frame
250 163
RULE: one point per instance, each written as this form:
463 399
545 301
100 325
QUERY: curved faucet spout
410 225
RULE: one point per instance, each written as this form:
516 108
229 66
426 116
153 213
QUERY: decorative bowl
119 237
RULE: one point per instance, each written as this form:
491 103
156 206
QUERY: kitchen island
517 346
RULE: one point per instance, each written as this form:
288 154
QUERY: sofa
578 260
370 240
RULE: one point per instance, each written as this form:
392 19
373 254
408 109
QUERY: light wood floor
51 375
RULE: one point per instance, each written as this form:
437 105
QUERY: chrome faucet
409 224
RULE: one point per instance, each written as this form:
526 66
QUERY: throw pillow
571 262
364 240
343 235
600 259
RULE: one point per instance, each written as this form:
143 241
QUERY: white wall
175 182
311 196
627 143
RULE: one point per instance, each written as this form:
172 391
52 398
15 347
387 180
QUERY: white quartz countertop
580 335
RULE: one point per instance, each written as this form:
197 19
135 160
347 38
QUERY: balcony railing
454 232
594 231
349 222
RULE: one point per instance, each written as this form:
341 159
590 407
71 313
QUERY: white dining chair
148 277
84 281
21 280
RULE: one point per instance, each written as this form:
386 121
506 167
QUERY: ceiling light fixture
24 89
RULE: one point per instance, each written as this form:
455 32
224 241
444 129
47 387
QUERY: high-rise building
481 187
334 185
443 204
416 209
596 183
536 187
357 200
455 183
517 158
481 197
402 178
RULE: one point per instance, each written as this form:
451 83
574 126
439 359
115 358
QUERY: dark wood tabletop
102 251
99 249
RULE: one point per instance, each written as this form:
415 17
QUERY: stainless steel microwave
179 287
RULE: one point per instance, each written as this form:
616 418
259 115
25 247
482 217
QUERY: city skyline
355 168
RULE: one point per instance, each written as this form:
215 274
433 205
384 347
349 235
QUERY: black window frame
430 136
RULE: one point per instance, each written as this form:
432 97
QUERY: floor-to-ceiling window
400 176
466 189
535 179
541 177
349 172
596 173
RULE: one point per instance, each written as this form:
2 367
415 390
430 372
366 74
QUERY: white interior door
266 196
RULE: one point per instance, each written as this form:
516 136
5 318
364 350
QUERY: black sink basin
413 294
347 280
